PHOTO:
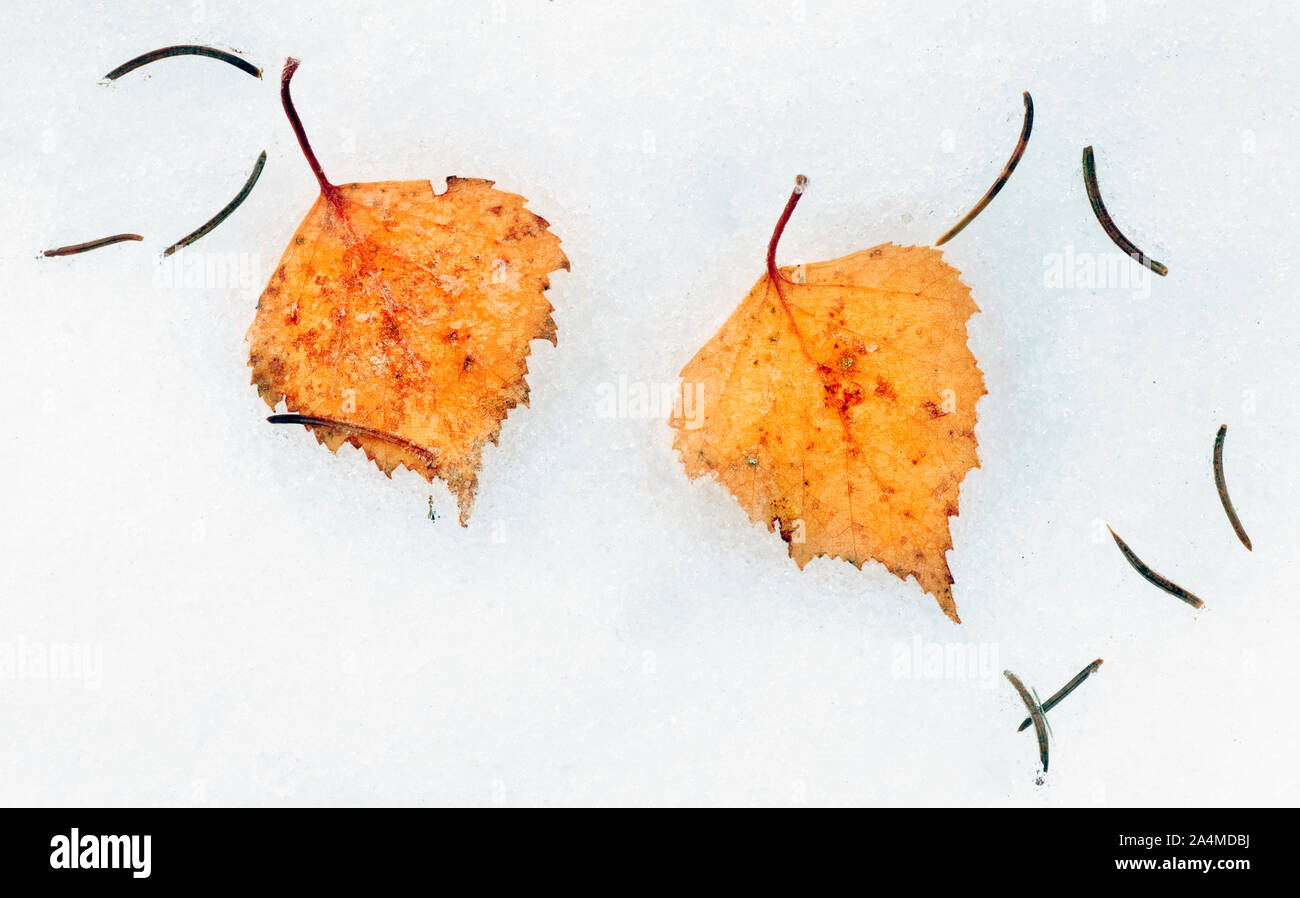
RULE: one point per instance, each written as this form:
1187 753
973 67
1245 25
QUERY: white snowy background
266 623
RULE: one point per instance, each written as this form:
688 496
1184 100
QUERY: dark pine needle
1035 714
183 50
1222 486
358 430
1002 179
1107 224
91 244
225 212
1152 577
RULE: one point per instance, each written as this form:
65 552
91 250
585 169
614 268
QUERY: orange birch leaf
400 320
837 404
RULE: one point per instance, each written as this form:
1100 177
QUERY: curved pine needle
1035 714
1002 179
1223 489
1107 224
1062 692
225 212
1152 577
358 430
183 50
89 245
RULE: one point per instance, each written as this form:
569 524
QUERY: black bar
927 847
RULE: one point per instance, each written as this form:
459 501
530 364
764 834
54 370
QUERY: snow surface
258 621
